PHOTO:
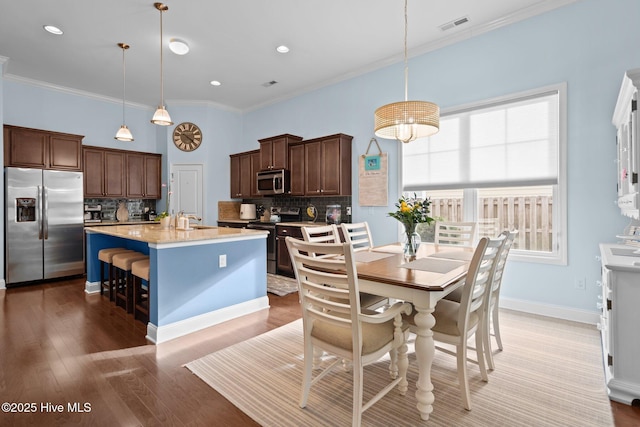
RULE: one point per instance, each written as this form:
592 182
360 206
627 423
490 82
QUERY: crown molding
520 15
71 91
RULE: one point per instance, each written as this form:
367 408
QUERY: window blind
510 143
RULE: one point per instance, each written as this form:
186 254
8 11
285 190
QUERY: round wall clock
187 136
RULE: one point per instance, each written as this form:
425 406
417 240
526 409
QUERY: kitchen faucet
191 216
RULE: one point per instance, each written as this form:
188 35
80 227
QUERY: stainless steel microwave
273 182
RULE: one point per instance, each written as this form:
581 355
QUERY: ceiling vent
454 23
269 84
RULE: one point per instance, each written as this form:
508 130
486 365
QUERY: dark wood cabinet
255 167
283 261
144 175
120 174
327 163
274 151
34 148
296 169
104 173
243 174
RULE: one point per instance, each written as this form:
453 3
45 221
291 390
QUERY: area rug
549 374
280 285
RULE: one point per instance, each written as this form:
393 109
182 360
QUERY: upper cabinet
144 175
296 169
104 173
625 119
34 148
317 167
119 174
327 162
244 167
274 151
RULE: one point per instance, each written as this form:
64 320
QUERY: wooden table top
390 269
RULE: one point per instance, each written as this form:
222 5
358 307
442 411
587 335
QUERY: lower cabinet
283 261
620 321
232 224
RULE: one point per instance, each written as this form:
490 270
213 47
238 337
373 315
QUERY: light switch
222 261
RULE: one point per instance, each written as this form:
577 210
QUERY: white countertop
112 222
620 257
155 234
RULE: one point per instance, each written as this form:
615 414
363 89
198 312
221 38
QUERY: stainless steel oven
271 243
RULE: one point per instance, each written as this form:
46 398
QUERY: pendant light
407 120
161 116
123 134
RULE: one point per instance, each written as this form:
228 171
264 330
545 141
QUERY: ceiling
231 41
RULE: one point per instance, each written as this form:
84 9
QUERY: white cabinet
620 321
628 150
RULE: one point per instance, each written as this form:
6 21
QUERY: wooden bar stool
140 272
105 256
122 264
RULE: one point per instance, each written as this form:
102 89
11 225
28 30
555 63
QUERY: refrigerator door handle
39 201
45 213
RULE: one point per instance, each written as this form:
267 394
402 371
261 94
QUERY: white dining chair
457 322
330 234
492 313
454 235
334 322
358 234
321 234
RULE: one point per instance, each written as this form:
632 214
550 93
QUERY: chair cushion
367 300
123 261
141 269
455 295
106 255
374 336
446 314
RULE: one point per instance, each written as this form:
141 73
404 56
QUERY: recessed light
215 83
52 29
179 47
282 49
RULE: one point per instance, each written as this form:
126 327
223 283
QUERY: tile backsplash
320 204
110 206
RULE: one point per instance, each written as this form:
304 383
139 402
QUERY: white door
187 190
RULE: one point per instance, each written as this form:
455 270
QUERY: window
500 163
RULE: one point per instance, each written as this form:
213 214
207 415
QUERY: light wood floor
61 346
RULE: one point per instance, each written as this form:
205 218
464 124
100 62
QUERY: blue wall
580 44
588 44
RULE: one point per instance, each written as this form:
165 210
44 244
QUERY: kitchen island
197 278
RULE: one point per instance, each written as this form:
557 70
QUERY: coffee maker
92 213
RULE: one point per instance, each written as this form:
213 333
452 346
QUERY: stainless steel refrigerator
44 226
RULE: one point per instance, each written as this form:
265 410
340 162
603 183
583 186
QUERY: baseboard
91 287
3 284
575 315
159 334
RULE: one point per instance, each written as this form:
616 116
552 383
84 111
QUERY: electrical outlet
222 261
348 210
581 283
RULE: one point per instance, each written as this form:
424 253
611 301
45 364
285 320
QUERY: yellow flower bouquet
411 212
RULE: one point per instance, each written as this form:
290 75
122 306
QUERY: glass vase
411 242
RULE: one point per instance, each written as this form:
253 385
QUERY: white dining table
423 282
